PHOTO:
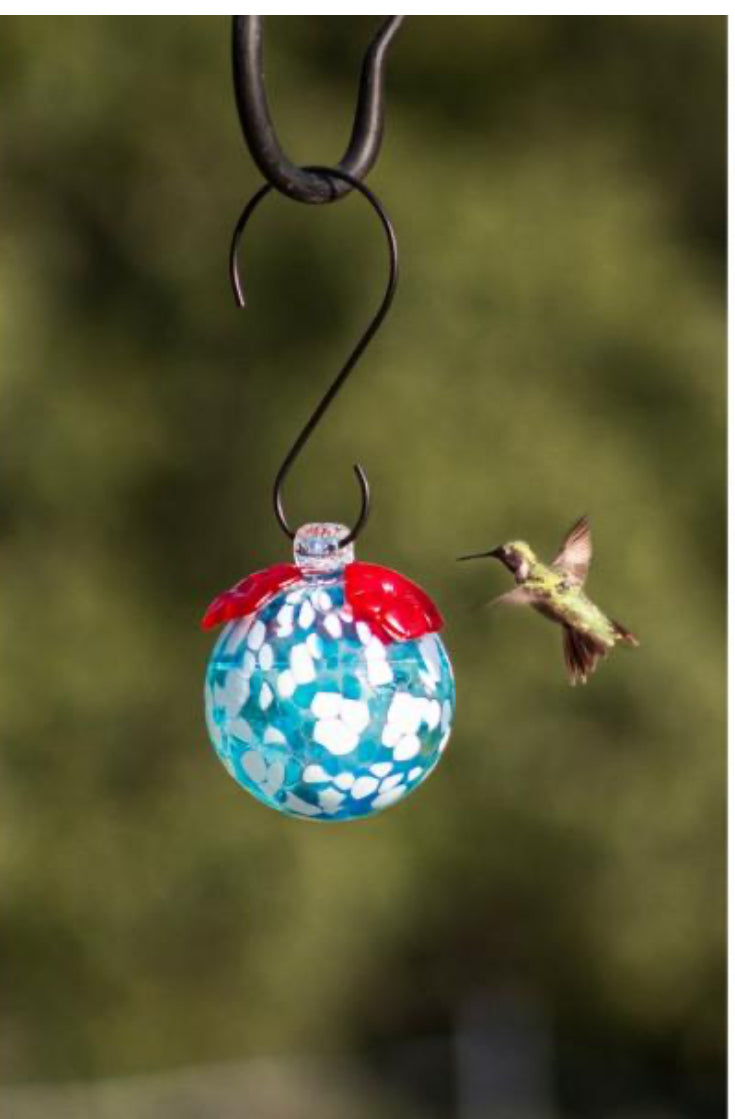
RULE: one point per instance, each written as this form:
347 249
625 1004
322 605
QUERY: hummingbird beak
496 553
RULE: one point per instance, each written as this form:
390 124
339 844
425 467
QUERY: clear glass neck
318 552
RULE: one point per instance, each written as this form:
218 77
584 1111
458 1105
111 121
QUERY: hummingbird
556 591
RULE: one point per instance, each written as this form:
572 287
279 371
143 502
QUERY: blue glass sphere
312 713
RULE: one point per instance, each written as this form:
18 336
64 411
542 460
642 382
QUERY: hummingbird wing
519 596
576 552
624 634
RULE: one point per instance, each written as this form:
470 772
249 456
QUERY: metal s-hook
327 174
314 184
302 183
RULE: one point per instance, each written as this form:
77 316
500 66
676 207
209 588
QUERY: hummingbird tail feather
581 654
625 635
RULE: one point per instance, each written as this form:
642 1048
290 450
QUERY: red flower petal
250 593
395 608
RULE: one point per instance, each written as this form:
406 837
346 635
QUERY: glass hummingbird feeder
329 694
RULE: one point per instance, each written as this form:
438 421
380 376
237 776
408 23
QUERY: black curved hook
260 134
347 368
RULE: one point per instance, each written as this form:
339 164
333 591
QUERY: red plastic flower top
250 593
393 607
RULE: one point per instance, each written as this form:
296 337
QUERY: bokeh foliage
557 346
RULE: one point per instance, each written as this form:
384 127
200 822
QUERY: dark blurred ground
540 930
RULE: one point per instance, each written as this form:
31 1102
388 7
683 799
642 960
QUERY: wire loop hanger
298 183
260 135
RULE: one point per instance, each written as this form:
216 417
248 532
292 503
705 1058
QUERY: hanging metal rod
330 173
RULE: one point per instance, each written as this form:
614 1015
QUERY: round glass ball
314 715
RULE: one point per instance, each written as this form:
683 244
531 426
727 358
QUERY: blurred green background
539 931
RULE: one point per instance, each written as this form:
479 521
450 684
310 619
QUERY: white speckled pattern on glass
315 716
